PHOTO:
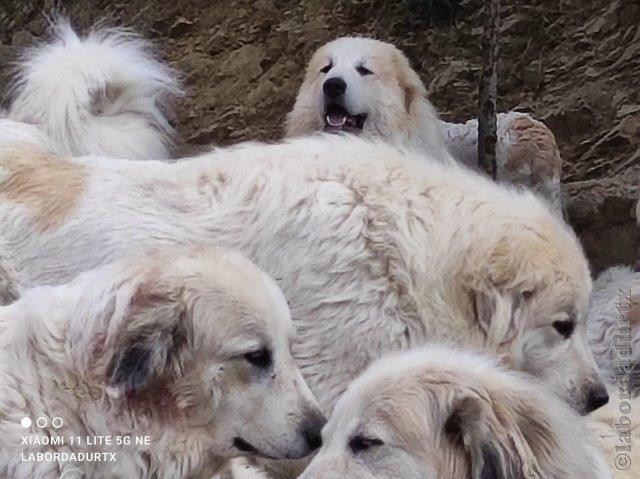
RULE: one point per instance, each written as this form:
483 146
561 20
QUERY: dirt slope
573 63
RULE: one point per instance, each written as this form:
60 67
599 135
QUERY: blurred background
574 64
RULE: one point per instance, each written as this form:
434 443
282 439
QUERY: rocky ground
575 64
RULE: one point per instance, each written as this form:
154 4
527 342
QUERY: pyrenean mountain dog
187 349
440 413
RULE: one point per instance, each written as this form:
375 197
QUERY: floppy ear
149 345
412 87
499 313
474 426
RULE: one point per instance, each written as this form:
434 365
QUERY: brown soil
575 64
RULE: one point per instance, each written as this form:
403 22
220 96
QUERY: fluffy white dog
364 86
189 349
377 250
442 413
104 94
367 87
613 326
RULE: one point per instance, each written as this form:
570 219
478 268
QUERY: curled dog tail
105 93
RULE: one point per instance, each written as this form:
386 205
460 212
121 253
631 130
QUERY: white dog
189 349
377 250
367 87
104 94
613 326
440 413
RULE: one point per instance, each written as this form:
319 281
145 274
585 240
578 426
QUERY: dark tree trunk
487 134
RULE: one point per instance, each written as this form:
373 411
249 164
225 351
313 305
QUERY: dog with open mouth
189 348
365 86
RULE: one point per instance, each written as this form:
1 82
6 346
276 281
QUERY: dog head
530 300
442 413
195 341
364 86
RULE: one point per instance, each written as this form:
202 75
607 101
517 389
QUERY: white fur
393 97
526 153
613 325
441 412
376 250
152 346
105 93
617 428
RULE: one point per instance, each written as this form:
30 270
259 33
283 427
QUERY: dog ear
409 81
148 348
499 313
473 425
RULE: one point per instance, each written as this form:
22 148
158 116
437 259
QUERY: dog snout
334 87
311 429
597 397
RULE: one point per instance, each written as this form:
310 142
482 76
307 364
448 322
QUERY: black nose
597 397
334 87
311 430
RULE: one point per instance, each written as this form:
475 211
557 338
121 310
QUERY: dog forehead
355 49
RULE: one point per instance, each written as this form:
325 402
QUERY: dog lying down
367 87
105 93
376 249
438 413
189 349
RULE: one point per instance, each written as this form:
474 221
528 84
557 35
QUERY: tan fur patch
535 149
48 186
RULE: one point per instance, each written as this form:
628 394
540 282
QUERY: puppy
367 87
187 349
105 93
442 413
377 249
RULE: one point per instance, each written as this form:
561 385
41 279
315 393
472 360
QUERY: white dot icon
56 422
25 422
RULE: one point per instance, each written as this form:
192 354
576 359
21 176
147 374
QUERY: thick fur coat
375 249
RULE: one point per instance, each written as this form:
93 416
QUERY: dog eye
565 328
327 68
364 71
260 359
360 443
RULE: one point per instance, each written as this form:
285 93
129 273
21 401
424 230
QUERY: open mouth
244 446
337 118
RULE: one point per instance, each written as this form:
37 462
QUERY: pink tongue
335 119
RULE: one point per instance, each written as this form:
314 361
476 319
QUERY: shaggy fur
392 96
376 250
155 346
104 94
442 413
617 428
613 326
526 153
